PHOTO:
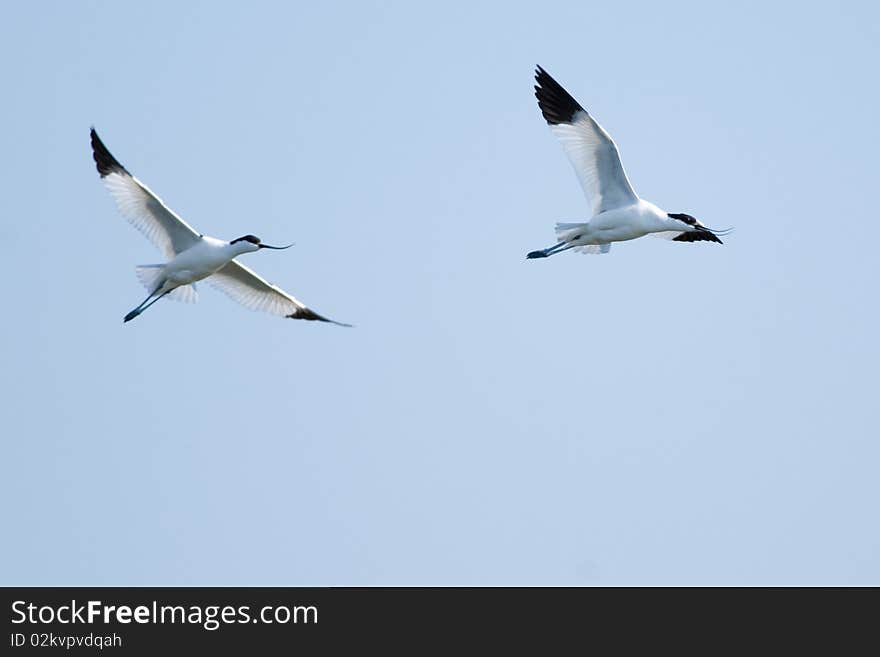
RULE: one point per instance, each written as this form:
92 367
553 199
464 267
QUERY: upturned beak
279 248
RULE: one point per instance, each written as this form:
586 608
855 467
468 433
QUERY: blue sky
667 414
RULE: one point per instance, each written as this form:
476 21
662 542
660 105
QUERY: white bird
618 213
190 255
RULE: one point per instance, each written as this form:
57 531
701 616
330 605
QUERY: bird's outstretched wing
592 152
143 209
252 291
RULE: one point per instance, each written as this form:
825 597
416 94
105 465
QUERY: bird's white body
204 258
618 213
190 256
619 225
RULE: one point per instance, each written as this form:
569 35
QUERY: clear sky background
667 414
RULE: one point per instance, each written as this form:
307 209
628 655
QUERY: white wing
592 152
143 209
252 291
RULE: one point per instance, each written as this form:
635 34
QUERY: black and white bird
190 255
618 213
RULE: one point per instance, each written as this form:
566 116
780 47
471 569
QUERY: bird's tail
564 230
150 277
184 293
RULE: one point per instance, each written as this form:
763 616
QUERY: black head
700 233
686 218
253 239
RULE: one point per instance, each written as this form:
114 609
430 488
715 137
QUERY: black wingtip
106 163
700 235
310 315
535 254
556 104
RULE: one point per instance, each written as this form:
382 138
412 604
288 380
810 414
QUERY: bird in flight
618 213
190 255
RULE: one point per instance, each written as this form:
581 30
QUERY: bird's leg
141 308
137 311
549 251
